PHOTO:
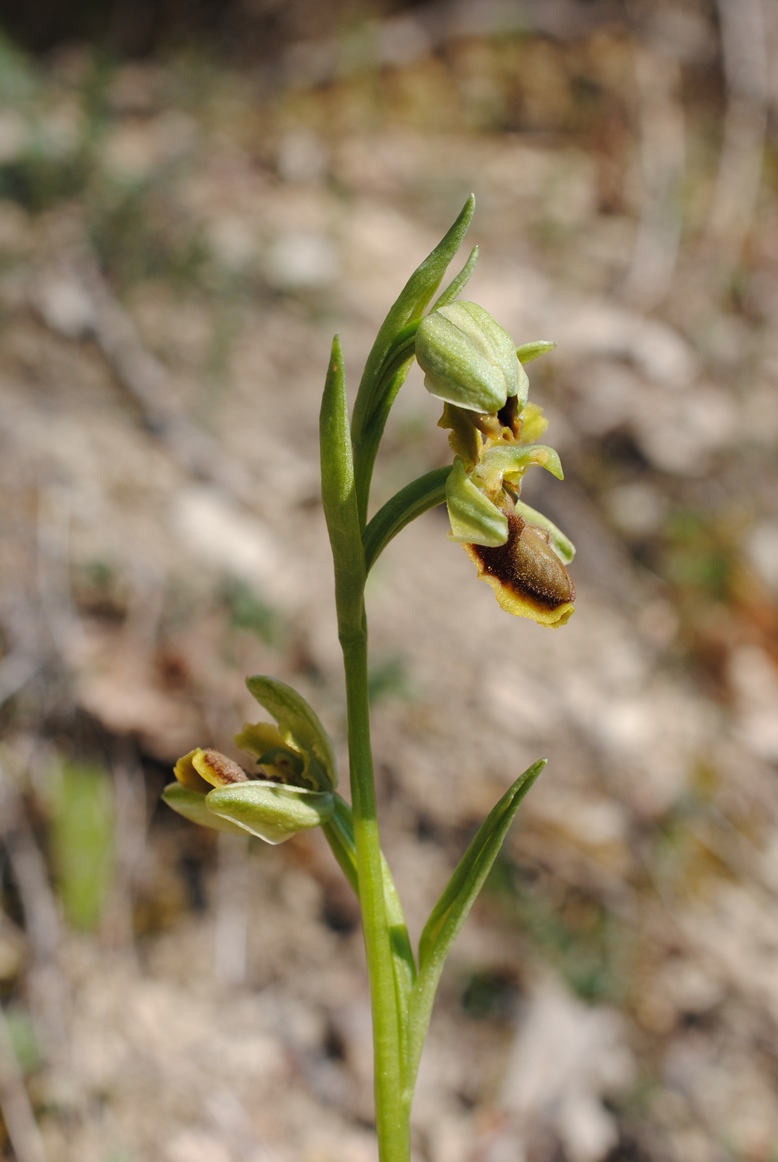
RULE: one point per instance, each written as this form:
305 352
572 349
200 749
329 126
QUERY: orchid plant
473 366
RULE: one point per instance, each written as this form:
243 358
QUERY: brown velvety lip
527 566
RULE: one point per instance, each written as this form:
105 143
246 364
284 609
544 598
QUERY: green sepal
271 811
562 545
475 520
191 804
522 391
529 351
411 501
300 729
451 910
380 383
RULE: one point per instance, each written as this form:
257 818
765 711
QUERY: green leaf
380 383
299 726
83 828
192 806
451 910
411 501
338 491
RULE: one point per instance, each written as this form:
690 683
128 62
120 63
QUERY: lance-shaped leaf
299 727
451 910
338 491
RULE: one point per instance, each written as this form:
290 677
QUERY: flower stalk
473 366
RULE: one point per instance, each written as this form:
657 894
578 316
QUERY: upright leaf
382 378
451 910
338 490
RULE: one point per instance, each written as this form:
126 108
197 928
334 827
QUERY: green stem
392 1105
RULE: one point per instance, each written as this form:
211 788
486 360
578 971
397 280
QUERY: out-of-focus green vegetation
82 827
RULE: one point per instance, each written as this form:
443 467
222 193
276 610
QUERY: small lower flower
213 790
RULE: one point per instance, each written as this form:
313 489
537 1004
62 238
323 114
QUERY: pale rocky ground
615 995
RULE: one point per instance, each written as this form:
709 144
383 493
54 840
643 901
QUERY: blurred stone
762 549
565 1058
680 432
196 1146
233 242
67 306
637 508
754 679
302 259
230 542
302 157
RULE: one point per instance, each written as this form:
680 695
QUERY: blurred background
193 197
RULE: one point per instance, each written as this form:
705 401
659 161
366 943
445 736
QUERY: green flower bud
468 359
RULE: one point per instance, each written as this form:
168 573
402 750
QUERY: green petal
510 462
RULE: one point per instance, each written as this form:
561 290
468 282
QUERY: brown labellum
526 575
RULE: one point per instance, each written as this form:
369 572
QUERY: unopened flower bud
467 357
